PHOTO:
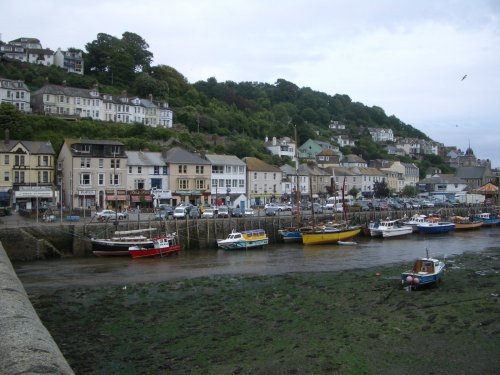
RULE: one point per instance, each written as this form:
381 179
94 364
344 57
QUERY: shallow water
272 260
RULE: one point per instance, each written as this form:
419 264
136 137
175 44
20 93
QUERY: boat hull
436 227
242 245
147 253
291 236
320 238
467 226
397 232
105 247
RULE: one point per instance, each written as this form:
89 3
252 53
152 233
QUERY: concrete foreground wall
26 347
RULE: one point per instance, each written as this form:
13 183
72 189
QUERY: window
85 163
228 183
85 148
19 177
130 169
265 175
115 163
156 169
6 176
255 188
274 176
6 159
43 177
235 183
214 183
139 170
228 169
183 184
241 169
115 150
100 179
254 175
241 183
139 183
19 160
101 163
200 184
156 183
85 179
165 170
219 169
200 169
114 179
182 168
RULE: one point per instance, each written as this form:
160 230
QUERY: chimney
7 136
274 141
266 139
151 97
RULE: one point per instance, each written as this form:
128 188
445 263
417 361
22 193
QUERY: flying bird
464 77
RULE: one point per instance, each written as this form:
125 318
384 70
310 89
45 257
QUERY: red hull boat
162 245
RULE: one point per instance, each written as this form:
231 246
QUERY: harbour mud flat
351 322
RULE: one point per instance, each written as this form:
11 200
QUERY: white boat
390 228
415 220
425 271
244 240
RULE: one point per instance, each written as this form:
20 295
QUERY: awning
110 198
138 198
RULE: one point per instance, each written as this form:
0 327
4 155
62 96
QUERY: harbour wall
55 240
26 346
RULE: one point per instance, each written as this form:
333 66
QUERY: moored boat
465 223
425 271
244 240
415 220
488 219
436 227
162 245
119 244
390 228
329 234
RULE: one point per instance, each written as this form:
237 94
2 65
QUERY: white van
180 212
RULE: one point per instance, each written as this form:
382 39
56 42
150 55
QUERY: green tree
354 192
380 189
410 191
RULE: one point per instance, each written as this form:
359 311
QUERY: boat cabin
423 266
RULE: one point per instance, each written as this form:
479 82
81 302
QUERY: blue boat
488 219
425 271
290 235
436 227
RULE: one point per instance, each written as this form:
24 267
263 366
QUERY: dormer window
85 148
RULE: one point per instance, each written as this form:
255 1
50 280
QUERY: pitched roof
224 159
34 147
257 165
178 155
352 158
470 172
443 179
64 90
145 158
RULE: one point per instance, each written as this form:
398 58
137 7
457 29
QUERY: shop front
194 197
141 198
116 201
161 197
33 197
86 198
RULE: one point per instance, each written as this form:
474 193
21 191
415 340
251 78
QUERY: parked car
180 212
209 213
317 208
427 204
236 212
194 213
110 214
271 211
249 212
223 211
166 208
162 215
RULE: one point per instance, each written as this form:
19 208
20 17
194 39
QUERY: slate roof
470 172
145 158
257 165
34 147
443 179
65 90
224 160
352 158
178 155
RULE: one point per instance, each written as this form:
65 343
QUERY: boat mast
297 191
344 206
312 203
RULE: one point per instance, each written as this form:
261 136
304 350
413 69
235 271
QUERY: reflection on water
274 259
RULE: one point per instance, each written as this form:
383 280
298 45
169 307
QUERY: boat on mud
436 227
119 244
488 219
390 228
425 271
329 234
247 239
466 223
162 245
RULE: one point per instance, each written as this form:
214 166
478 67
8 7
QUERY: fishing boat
425 271
119 244
244 240
390 228
415 220
162 245
290 235
329 234
436 227
466 223
488 219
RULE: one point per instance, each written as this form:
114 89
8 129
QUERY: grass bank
350 322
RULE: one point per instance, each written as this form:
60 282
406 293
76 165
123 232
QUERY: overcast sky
407 57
